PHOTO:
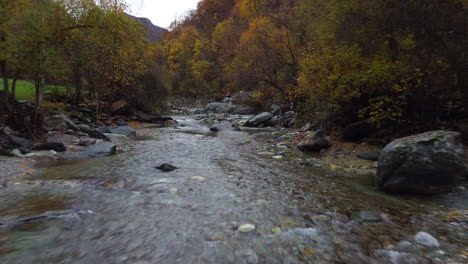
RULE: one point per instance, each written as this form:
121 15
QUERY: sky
161 12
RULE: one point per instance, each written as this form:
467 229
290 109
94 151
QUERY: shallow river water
121 209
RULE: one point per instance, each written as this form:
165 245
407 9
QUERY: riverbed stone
102 149
70 124
246 228
259 119
427 163
21 142
17 153
395 257
122 130
166 167
425 239
314 146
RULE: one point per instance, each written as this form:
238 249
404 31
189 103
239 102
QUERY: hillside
153 32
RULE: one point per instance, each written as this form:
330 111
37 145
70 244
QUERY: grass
25 90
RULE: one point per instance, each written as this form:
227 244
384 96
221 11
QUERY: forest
383 63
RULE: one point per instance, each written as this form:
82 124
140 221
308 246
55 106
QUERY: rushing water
121 209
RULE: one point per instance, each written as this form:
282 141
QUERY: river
121 209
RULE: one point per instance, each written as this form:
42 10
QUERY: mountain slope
153 32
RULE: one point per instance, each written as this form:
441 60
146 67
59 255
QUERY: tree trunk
6 89
13 88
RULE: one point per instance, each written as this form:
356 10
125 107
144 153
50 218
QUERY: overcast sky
161 12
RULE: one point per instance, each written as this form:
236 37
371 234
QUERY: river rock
219 108
70 124
102 149
246 228
370 155
86 141
166 167
84 128
21 142
17 153
427 163
259 119
98 135
122 130
55 123
214 129
314 146
425 239
395 257
56 146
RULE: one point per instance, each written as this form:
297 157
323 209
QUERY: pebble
426 240
276 230
277 157
173 190
246 228
198 178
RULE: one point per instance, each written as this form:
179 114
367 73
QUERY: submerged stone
166 167
246 228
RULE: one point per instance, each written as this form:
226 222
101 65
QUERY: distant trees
382 61
91 47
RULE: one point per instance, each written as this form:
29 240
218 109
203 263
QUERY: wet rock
166 167
122 130
405 246
102 149
55 146
276 230
314 146
395 257
427 163
17 153
214 129
305 127
98 135
86 141
55 123
220 108
84 128
370 216
21 142
248 256
70 124
198 178
246 228
371 155
425 239
259 119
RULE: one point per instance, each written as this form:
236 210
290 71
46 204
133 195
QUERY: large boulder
259 119
21 142
122 130
102 149
69 122
427 163
93 133
220 108
55 123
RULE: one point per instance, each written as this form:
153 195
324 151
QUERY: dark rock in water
371 155
21 142
166 167
102 149
370 216
214 129
98 135
314 146
122 130
259 119
427 163
55 146
235 127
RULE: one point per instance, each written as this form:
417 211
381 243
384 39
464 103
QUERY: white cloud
161 12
